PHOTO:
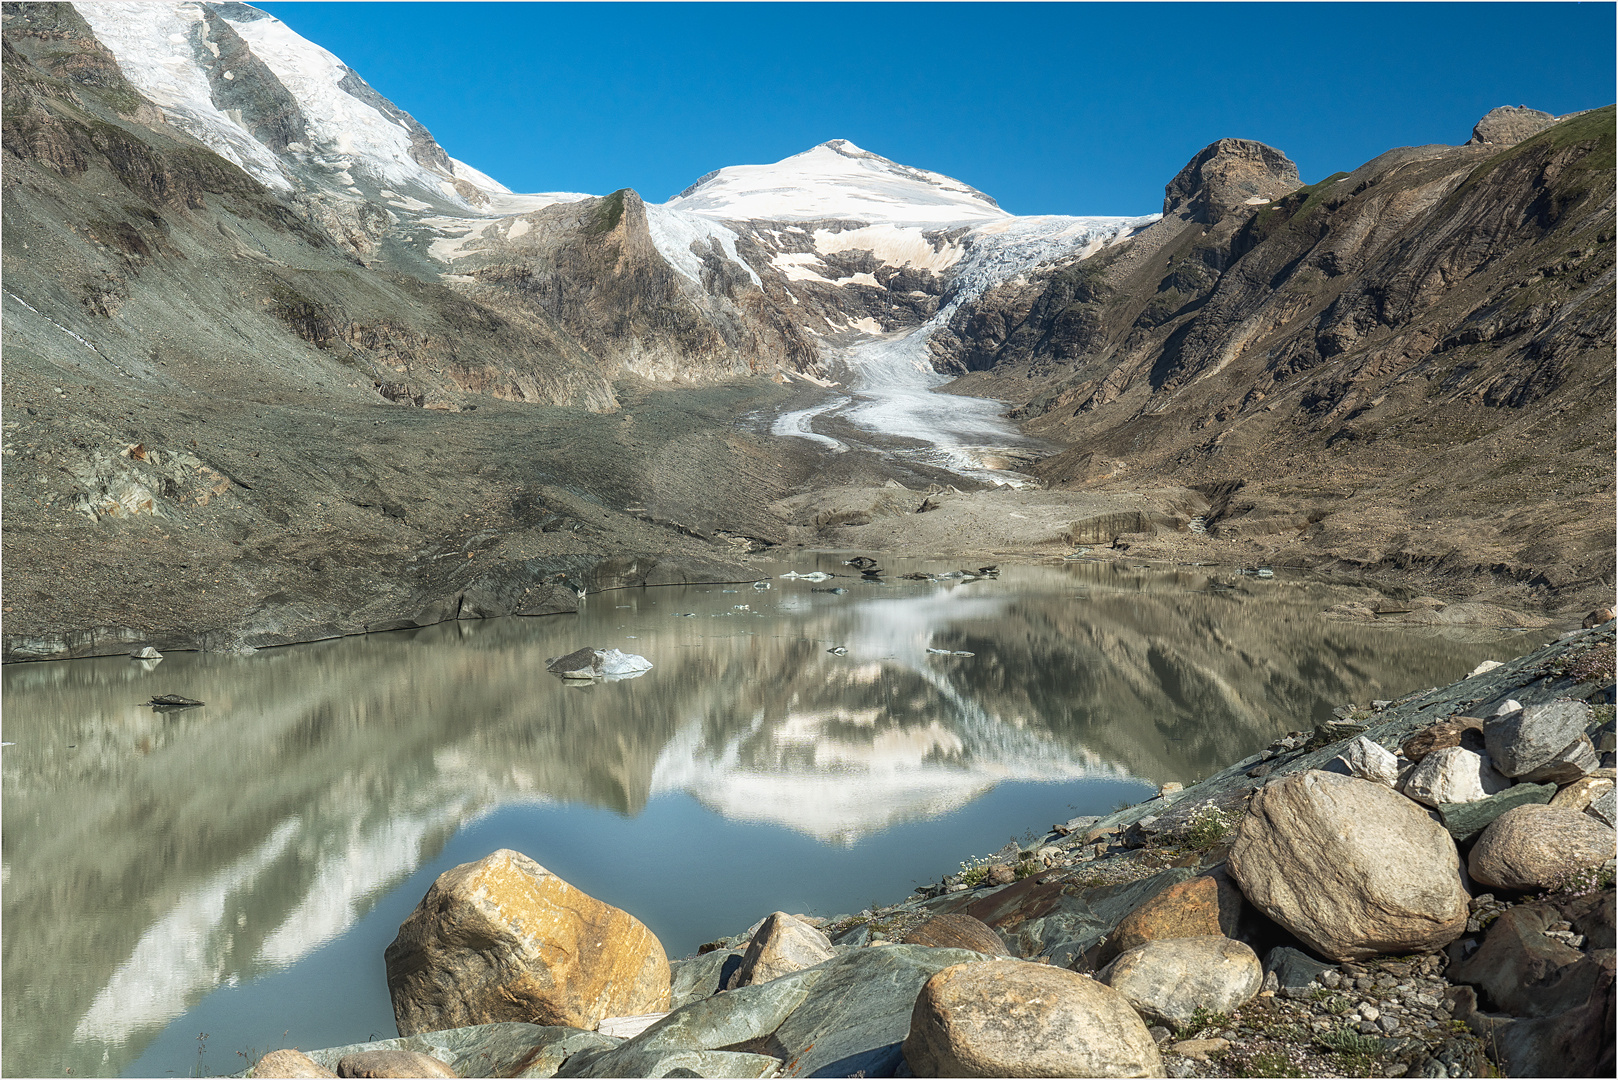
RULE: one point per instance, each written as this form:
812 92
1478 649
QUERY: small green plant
1269 1063
1353 1054
1208 827
974 872
1202 1022
1581 882
199 1069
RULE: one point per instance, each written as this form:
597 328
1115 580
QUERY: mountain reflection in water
151 858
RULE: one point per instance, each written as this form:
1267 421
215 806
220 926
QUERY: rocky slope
1407 367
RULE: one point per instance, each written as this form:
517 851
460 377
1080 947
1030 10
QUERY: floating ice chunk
608 664
818 575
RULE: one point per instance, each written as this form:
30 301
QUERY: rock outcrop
1229 176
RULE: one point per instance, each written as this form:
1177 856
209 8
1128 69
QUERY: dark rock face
1227 176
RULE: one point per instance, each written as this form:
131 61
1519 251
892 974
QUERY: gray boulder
1293 968
1350 867
846 1015
1453 775
1574 762
1169 979
1531 847
1369 761
1009 1018
670 1062
1465 820
1521 741
702 976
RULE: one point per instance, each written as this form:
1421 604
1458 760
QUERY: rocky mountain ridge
1408 366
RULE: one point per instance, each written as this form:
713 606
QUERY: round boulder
291 1065
1169 979
1013 1018
956 931
505 939
1350 867
1529 847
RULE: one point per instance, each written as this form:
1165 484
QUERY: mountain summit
836 180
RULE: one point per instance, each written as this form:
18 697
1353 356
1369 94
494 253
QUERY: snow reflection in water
162 869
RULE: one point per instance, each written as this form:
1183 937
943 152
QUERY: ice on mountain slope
164 52
835 180
675 231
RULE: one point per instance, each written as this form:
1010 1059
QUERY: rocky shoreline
1422 888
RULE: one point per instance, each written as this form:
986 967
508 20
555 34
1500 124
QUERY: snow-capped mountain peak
836 180
290 113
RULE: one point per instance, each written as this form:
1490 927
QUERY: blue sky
1050 108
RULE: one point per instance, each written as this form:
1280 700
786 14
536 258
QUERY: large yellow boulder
505 939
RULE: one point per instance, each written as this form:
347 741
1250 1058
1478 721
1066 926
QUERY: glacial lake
185 889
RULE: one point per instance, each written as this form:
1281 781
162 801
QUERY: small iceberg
793 575
610 665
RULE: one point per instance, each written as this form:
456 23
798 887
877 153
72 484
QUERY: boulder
857 1014
746 1016
375 1063
287 1064
1524 972
1053 915
1522 741
1577 1042
1453 775
1582 792
1575 761
1006 1018
1465 820
1350 867
1604 809
1170 979
781 945
1209 904
957 931
1531 847
504 939
1457 731
701 977
1293 969
1369 761
844 1016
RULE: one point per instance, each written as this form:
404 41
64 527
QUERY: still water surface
236 870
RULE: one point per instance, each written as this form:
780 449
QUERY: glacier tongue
892 378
